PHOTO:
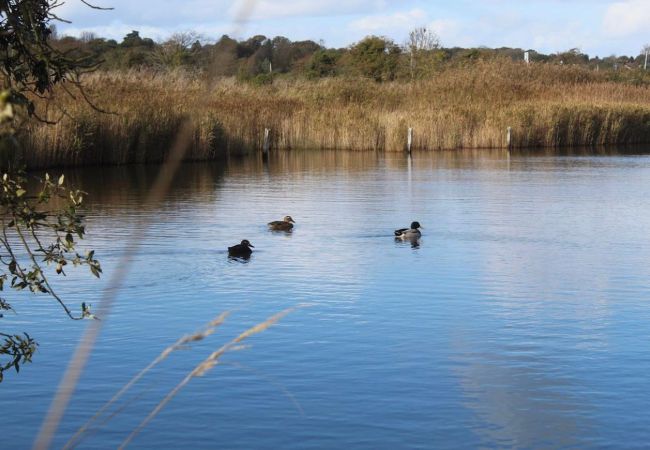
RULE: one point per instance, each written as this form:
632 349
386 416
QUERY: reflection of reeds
83 350
202 368
181 143
178 345
461 107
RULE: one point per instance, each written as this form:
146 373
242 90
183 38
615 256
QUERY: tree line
260 58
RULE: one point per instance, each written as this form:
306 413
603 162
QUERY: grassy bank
462 107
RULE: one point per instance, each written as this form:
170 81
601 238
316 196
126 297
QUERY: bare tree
421 44
645 51
87 36
176 50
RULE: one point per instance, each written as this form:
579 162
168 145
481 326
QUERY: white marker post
409 140
509 138
527 57
267 141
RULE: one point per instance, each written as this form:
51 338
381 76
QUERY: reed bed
460 107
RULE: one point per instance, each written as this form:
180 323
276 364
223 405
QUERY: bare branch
97 7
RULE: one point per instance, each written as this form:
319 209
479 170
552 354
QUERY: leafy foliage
420 57
39 228
19 350
377 58
323 64
31 66
35 242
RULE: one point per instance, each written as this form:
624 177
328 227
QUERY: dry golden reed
207 364
180 344
459 107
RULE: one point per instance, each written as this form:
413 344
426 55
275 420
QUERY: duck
409 233
86 313
285 224
241 250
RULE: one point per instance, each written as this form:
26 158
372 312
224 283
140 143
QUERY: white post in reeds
509 138
409 140
527 57
267 141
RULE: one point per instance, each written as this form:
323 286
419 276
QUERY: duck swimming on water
409 233
285 224
241 250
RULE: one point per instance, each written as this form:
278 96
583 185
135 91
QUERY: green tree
223 57
376 57
323 63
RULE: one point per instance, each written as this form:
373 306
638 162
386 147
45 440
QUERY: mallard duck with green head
409 233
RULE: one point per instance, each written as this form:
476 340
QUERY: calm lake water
521 320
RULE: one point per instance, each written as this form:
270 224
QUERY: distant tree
421 46
223 57
645 53
133 51
572 56
260 62
322 63
281 54
132 39
87 36
248 47
376 57
178 50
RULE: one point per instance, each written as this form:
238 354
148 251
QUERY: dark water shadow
241 259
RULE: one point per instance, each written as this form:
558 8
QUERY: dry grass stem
179 344
205 366
82 353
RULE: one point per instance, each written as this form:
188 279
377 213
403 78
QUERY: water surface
521 320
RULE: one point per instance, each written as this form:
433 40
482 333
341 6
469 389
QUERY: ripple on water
518 321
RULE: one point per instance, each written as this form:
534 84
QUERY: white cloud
390 23
628 17
448 30
273 9
598 26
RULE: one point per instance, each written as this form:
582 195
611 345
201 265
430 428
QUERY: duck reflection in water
414 241
240 259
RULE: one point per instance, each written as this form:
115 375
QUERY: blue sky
598 27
